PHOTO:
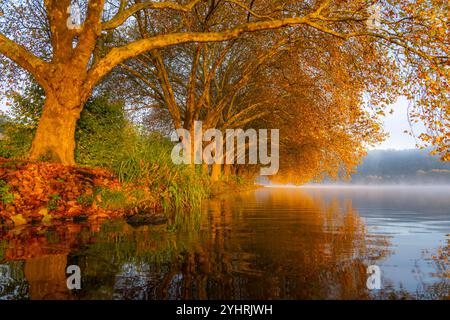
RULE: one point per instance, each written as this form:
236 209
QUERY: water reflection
268 244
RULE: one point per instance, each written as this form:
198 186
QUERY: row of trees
305 67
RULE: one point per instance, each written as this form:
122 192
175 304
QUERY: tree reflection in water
273 245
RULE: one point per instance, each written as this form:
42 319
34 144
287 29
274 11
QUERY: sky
395 124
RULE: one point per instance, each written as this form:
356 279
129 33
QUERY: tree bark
205 167
55 135
226 171
215 172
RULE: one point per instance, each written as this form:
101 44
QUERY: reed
148 163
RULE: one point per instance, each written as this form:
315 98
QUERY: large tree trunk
55 135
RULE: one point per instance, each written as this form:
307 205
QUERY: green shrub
5 196
53 203
102 132
17 140
19 126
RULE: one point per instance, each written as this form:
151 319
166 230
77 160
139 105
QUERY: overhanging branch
120 54
20 55
124 14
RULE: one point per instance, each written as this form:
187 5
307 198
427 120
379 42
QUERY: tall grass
148 163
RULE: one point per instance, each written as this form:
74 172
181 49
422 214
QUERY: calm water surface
273 243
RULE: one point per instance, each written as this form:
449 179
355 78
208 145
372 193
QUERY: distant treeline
402 166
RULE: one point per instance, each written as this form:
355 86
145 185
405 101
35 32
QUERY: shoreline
34 192
225 188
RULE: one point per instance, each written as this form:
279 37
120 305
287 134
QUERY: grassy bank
139 185
140 178
122 169
41 191
135 176
122 176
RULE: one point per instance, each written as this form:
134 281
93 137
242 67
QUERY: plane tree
64 57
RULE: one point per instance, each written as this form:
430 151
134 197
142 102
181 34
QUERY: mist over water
416 221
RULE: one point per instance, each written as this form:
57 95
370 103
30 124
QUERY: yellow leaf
18 220
47 218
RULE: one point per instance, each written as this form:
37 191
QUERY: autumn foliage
323 72
32 192
405 51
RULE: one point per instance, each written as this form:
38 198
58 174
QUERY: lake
272 243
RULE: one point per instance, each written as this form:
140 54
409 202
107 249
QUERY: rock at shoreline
147 218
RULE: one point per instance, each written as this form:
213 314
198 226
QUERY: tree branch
20 55
90 32
120 54
124 14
